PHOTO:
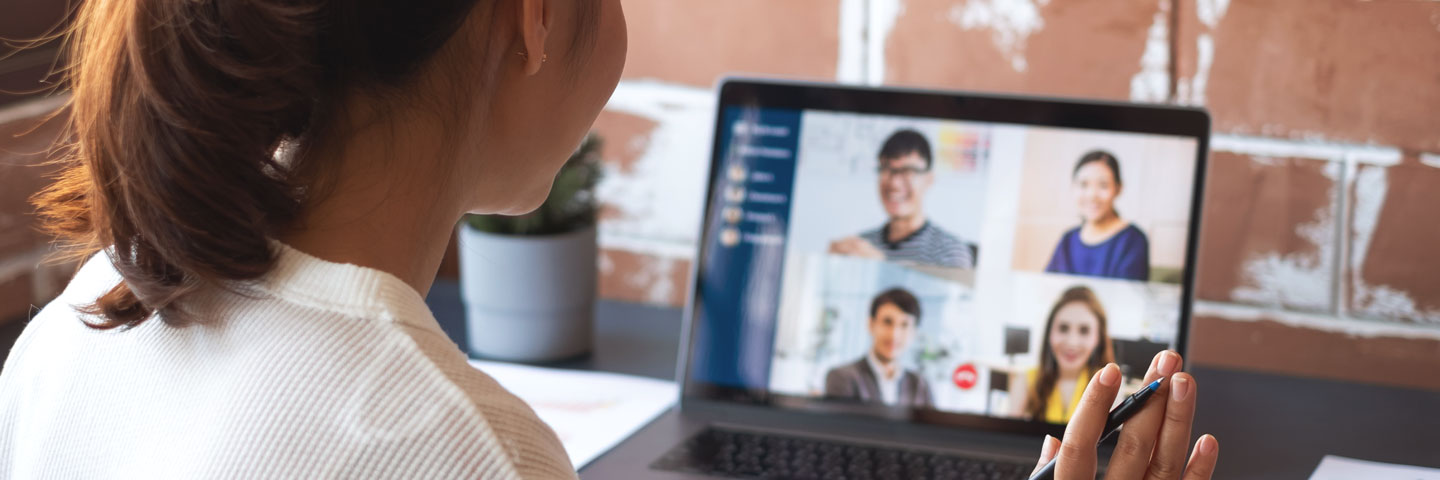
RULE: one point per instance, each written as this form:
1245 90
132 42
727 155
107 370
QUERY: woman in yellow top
1076 344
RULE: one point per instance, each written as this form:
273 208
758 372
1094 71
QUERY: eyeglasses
905 173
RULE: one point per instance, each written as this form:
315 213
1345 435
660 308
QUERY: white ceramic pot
528 298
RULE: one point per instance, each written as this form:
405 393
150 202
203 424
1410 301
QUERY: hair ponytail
177 111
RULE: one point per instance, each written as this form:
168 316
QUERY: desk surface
1269 426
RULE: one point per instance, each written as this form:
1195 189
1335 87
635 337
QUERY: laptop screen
938 264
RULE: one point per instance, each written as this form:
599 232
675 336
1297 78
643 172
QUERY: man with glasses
905 176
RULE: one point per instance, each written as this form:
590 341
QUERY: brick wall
1316 250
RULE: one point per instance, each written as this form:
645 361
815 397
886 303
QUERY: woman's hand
1152 444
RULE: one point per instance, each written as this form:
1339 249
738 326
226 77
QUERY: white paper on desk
591 412
1334 467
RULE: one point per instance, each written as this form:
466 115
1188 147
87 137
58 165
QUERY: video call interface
933 264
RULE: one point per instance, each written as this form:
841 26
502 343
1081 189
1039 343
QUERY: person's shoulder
1133 234
425 358
405 383
95 276
848 369
940 232
398 381
945 237
63 315
915 377
845 376
530 444
1067 241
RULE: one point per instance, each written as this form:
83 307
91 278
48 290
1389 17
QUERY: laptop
897 283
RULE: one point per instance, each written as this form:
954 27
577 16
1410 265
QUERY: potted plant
528 281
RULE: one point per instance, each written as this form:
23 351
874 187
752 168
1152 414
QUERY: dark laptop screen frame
964 106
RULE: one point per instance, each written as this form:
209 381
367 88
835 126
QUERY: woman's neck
386 205
1099 229
1070 375
887 365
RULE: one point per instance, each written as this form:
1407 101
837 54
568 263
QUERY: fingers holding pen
1138 437
1173 441
1048 449
1078 449
1202 460
1155 440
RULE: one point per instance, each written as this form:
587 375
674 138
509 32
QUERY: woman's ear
536 17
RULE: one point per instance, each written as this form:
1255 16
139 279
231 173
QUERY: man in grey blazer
878 377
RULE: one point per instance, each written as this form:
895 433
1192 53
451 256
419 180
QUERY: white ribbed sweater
317 370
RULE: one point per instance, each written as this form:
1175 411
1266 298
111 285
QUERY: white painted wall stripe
649 246
883 14
13 266
850 64
1359 327
32 108
1430 159
1319 150
1152 82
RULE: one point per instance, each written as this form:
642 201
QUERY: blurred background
1318 246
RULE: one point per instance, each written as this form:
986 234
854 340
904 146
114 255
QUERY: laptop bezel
1096 115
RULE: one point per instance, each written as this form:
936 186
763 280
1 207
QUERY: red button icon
965 376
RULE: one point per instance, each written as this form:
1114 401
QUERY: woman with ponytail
261 192
1104 245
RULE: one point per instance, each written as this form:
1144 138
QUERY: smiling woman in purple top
1104 245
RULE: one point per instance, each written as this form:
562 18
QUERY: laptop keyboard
726 453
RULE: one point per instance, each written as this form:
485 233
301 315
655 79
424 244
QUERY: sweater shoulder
533 447
266 386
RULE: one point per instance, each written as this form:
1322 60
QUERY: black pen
1119 415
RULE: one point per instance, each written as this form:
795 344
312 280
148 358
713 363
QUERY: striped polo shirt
929 245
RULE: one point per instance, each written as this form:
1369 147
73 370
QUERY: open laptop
916 284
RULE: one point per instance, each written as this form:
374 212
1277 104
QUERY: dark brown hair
904 142
178 109
1103 157
1103 354
901 299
